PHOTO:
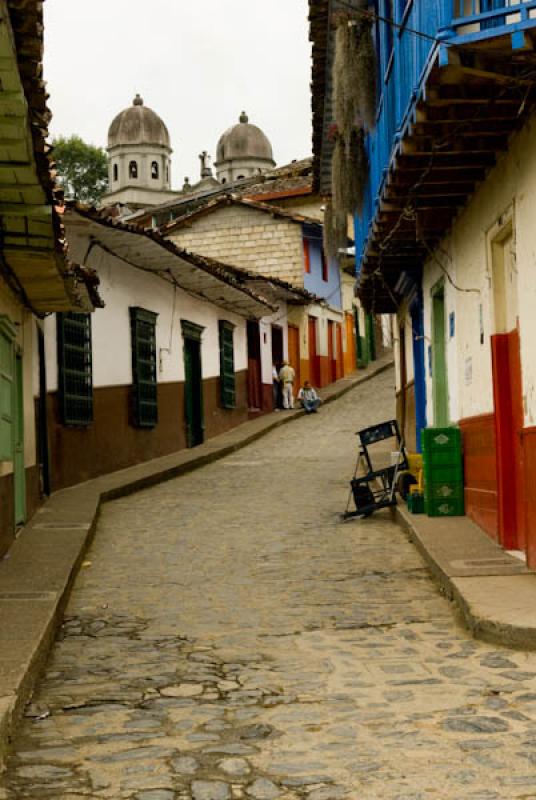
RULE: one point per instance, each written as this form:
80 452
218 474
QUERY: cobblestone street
229 637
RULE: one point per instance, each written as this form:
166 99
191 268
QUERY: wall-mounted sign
468 371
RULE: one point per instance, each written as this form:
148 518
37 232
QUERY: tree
82 169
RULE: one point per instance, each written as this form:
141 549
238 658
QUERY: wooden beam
22 210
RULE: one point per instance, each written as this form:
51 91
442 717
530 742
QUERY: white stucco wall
123 286
510 189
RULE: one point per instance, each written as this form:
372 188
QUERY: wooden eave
33 251
464 120
148 251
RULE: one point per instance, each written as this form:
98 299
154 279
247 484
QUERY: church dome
243 141
138 125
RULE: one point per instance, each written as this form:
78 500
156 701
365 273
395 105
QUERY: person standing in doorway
286 376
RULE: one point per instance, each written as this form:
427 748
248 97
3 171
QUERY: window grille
144 384
227 371
75 373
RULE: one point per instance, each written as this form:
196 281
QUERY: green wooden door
193 392
371 336
7 395
18 445
439 360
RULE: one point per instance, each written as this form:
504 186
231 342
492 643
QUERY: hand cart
376 488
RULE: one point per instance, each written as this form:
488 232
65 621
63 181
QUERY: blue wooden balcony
455 81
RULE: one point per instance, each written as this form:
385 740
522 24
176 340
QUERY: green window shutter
144 384
227 372
75 368
6 397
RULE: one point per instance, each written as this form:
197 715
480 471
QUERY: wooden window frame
144 377
75 368
307 255
325 267
227 370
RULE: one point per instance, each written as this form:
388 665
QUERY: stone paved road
231 638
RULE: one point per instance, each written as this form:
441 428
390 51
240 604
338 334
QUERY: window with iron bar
144 383
227 372
75 368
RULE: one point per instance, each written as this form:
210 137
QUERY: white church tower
243 151
139 163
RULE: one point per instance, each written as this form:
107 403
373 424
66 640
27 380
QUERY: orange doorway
350 358
294 353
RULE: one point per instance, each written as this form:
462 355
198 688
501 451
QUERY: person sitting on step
309 398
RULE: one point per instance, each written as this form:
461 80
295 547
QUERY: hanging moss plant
354 105
357 171
366 71
346 92
335 229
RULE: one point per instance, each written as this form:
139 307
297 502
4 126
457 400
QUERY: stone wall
247 238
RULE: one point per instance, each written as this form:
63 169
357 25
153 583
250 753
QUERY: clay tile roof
234 199
148 250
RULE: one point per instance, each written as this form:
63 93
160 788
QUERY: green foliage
82 169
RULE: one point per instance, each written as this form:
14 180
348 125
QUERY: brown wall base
111 442
34 498
480 472
325 371
7 505
529 460
7 513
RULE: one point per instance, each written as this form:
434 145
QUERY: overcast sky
197 64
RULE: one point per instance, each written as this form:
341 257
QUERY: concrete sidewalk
39 570
495 591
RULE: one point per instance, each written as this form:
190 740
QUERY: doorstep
494 590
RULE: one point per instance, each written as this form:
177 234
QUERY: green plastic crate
446 474
444 508
445 490
441 439
416 503
440 458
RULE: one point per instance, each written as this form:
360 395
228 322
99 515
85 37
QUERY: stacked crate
443 472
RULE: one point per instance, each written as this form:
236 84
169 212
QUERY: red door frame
339 354
332 362
314 360
509 419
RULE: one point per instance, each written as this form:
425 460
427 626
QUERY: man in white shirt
286 376
309 398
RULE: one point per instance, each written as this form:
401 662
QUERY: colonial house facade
274 242
162 367
446 238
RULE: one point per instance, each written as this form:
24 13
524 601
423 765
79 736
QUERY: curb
483 627
82 502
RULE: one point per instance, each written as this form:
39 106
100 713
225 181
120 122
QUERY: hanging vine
354 104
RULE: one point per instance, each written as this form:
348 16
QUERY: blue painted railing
406 52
